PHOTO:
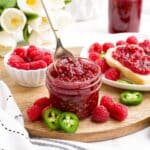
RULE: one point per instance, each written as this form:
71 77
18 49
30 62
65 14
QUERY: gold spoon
60 50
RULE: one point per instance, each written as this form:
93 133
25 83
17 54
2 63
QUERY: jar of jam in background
124 15
74 86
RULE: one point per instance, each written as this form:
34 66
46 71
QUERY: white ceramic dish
137 87
113 38
27 78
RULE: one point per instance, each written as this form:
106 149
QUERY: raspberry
112 74
30 58
24 66
132 40
37 64
32 51
20 52
42 102
46 53
96 47
146 42
44 109
100 114
107 102
34 113
106 46
14 59
39 55
145 45
93 56
120 42
103 64
48 59
119 112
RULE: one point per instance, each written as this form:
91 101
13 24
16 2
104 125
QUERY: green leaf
67 1
102 55
8 3
26 33
1 29
31 16
1 10
2 3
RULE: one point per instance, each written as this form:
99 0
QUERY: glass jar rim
76 84
82 88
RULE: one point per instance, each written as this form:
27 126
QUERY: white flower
7 43
40 24
31 6
35 6
54 4
45 38
12 20
61 19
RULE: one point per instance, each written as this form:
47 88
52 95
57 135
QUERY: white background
86 31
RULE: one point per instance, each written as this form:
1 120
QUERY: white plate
113 38
126 86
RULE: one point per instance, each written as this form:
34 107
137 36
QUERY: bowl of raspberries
27 65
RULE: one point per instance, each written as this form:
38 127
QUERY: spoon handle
49 20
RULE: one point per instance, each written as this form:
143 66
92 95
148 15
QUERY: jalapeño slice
51 118
69 122
131 98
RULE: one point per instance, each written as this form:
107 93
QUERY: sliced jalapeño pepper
102 55
51 117
69 122
131 98
123 81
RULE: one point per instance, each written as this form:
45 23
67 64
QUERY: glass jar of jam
124 15
74 85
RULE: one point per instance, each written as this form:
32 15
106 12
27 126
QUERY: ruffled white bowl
27 78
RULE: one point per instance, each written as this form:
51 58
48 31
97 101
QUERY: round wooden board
138 118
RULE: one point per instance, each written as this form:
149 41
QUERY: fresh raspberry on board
132 40
34 113
112 74
107 45
103 64
96 47
100 114
42 102
44 109
107 101
119 112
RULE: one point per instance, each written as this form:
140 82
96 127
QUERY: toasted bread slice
129 74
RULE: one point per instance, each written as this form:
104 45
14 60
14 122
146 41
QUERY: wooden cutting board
139 116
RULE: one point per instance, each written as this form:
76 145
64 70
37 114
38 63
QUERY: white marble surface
86 32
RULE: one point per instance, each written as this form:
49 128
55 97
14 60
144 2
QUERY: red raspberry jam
74 85
124 15
134 58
